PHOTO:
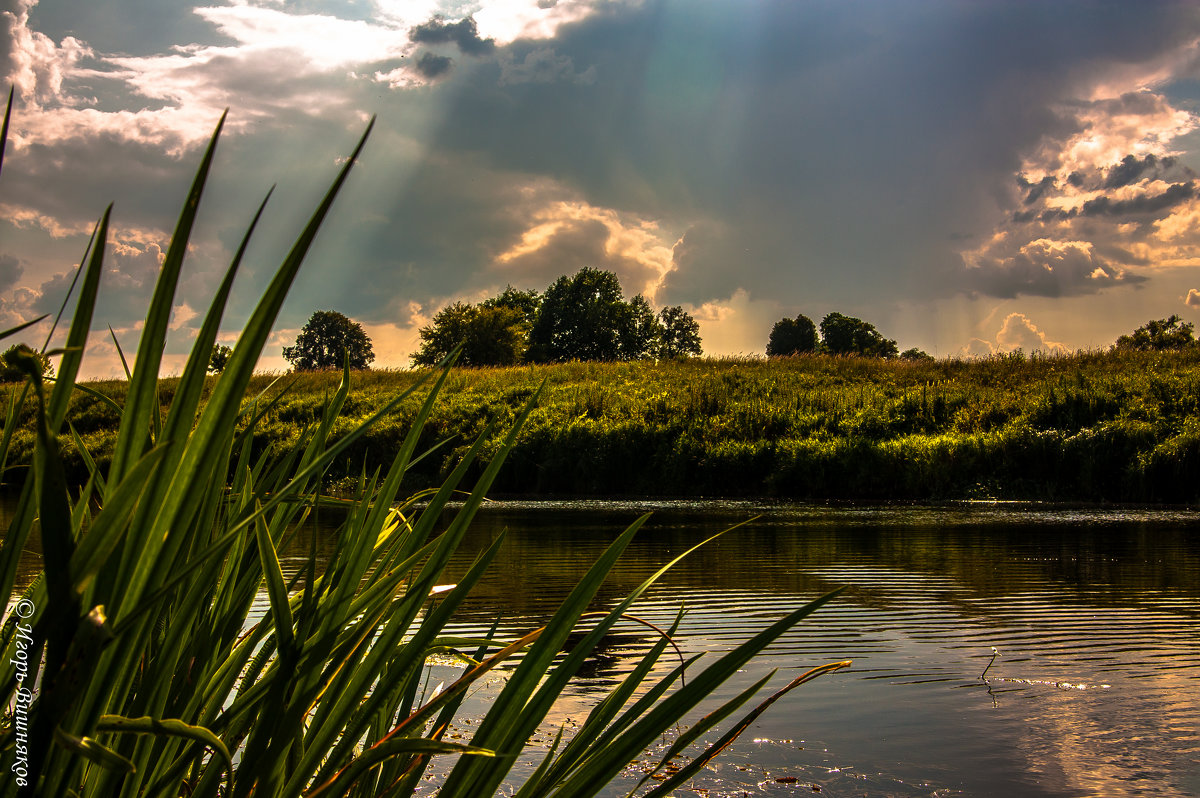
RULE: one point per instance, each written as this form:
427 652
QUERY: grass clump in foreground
130 666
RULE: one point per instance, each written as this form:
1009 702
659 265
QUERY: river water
1094 688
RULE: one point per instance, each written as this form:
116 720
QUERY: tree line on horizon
501 328
846 335
839 335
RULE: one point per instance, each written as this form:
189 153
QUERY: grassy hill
1086 427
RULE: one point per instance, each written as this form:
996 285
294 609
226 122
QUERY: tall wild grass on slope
1091 426
131 666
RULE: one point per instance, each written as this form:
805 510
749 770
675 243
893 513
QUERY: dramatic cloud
567 236
464 34
1193 298
32 62
1016 332
1103 204
1008 267
432 66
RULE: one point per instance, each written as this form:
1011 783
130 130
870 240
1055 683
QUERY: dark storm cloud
1046 269
52 292
464 34
431 65
810 152
10 271
1035 191
1176 194
1131 169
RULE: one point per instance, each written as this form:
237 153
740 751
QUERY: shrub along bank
1104 426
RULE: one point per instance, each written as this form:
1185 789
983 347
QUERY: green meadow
1100 426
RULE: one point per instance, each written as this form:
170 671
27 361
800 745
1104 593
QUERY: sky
971 176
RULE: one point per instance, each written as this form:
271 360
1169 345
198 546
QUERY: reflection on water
1093 612
1093 692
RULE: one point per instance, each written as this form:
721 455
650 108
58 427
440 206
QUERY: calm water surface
1095 690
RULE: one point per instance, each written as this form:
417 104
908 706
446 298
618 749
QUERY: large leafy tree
581 318
326 340
680 334
1169 333
846 335
792 337
490 334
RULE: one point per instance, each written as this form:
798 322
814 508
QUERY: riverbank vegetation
1119 425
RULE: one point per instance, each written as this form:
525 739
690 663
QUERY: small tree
915 354
1169 333
640 330
792 337
327 339
846 335
219 358
10 371
680 334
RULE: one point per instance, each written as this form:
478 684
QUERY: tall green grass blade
4 130
222 407
22 326
94 476
600 769
191 382
121 355
140 400
598 720
504 728
698 763
81 322
399 747
169 727
109 527
702 726
94 752
276 592
216 421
